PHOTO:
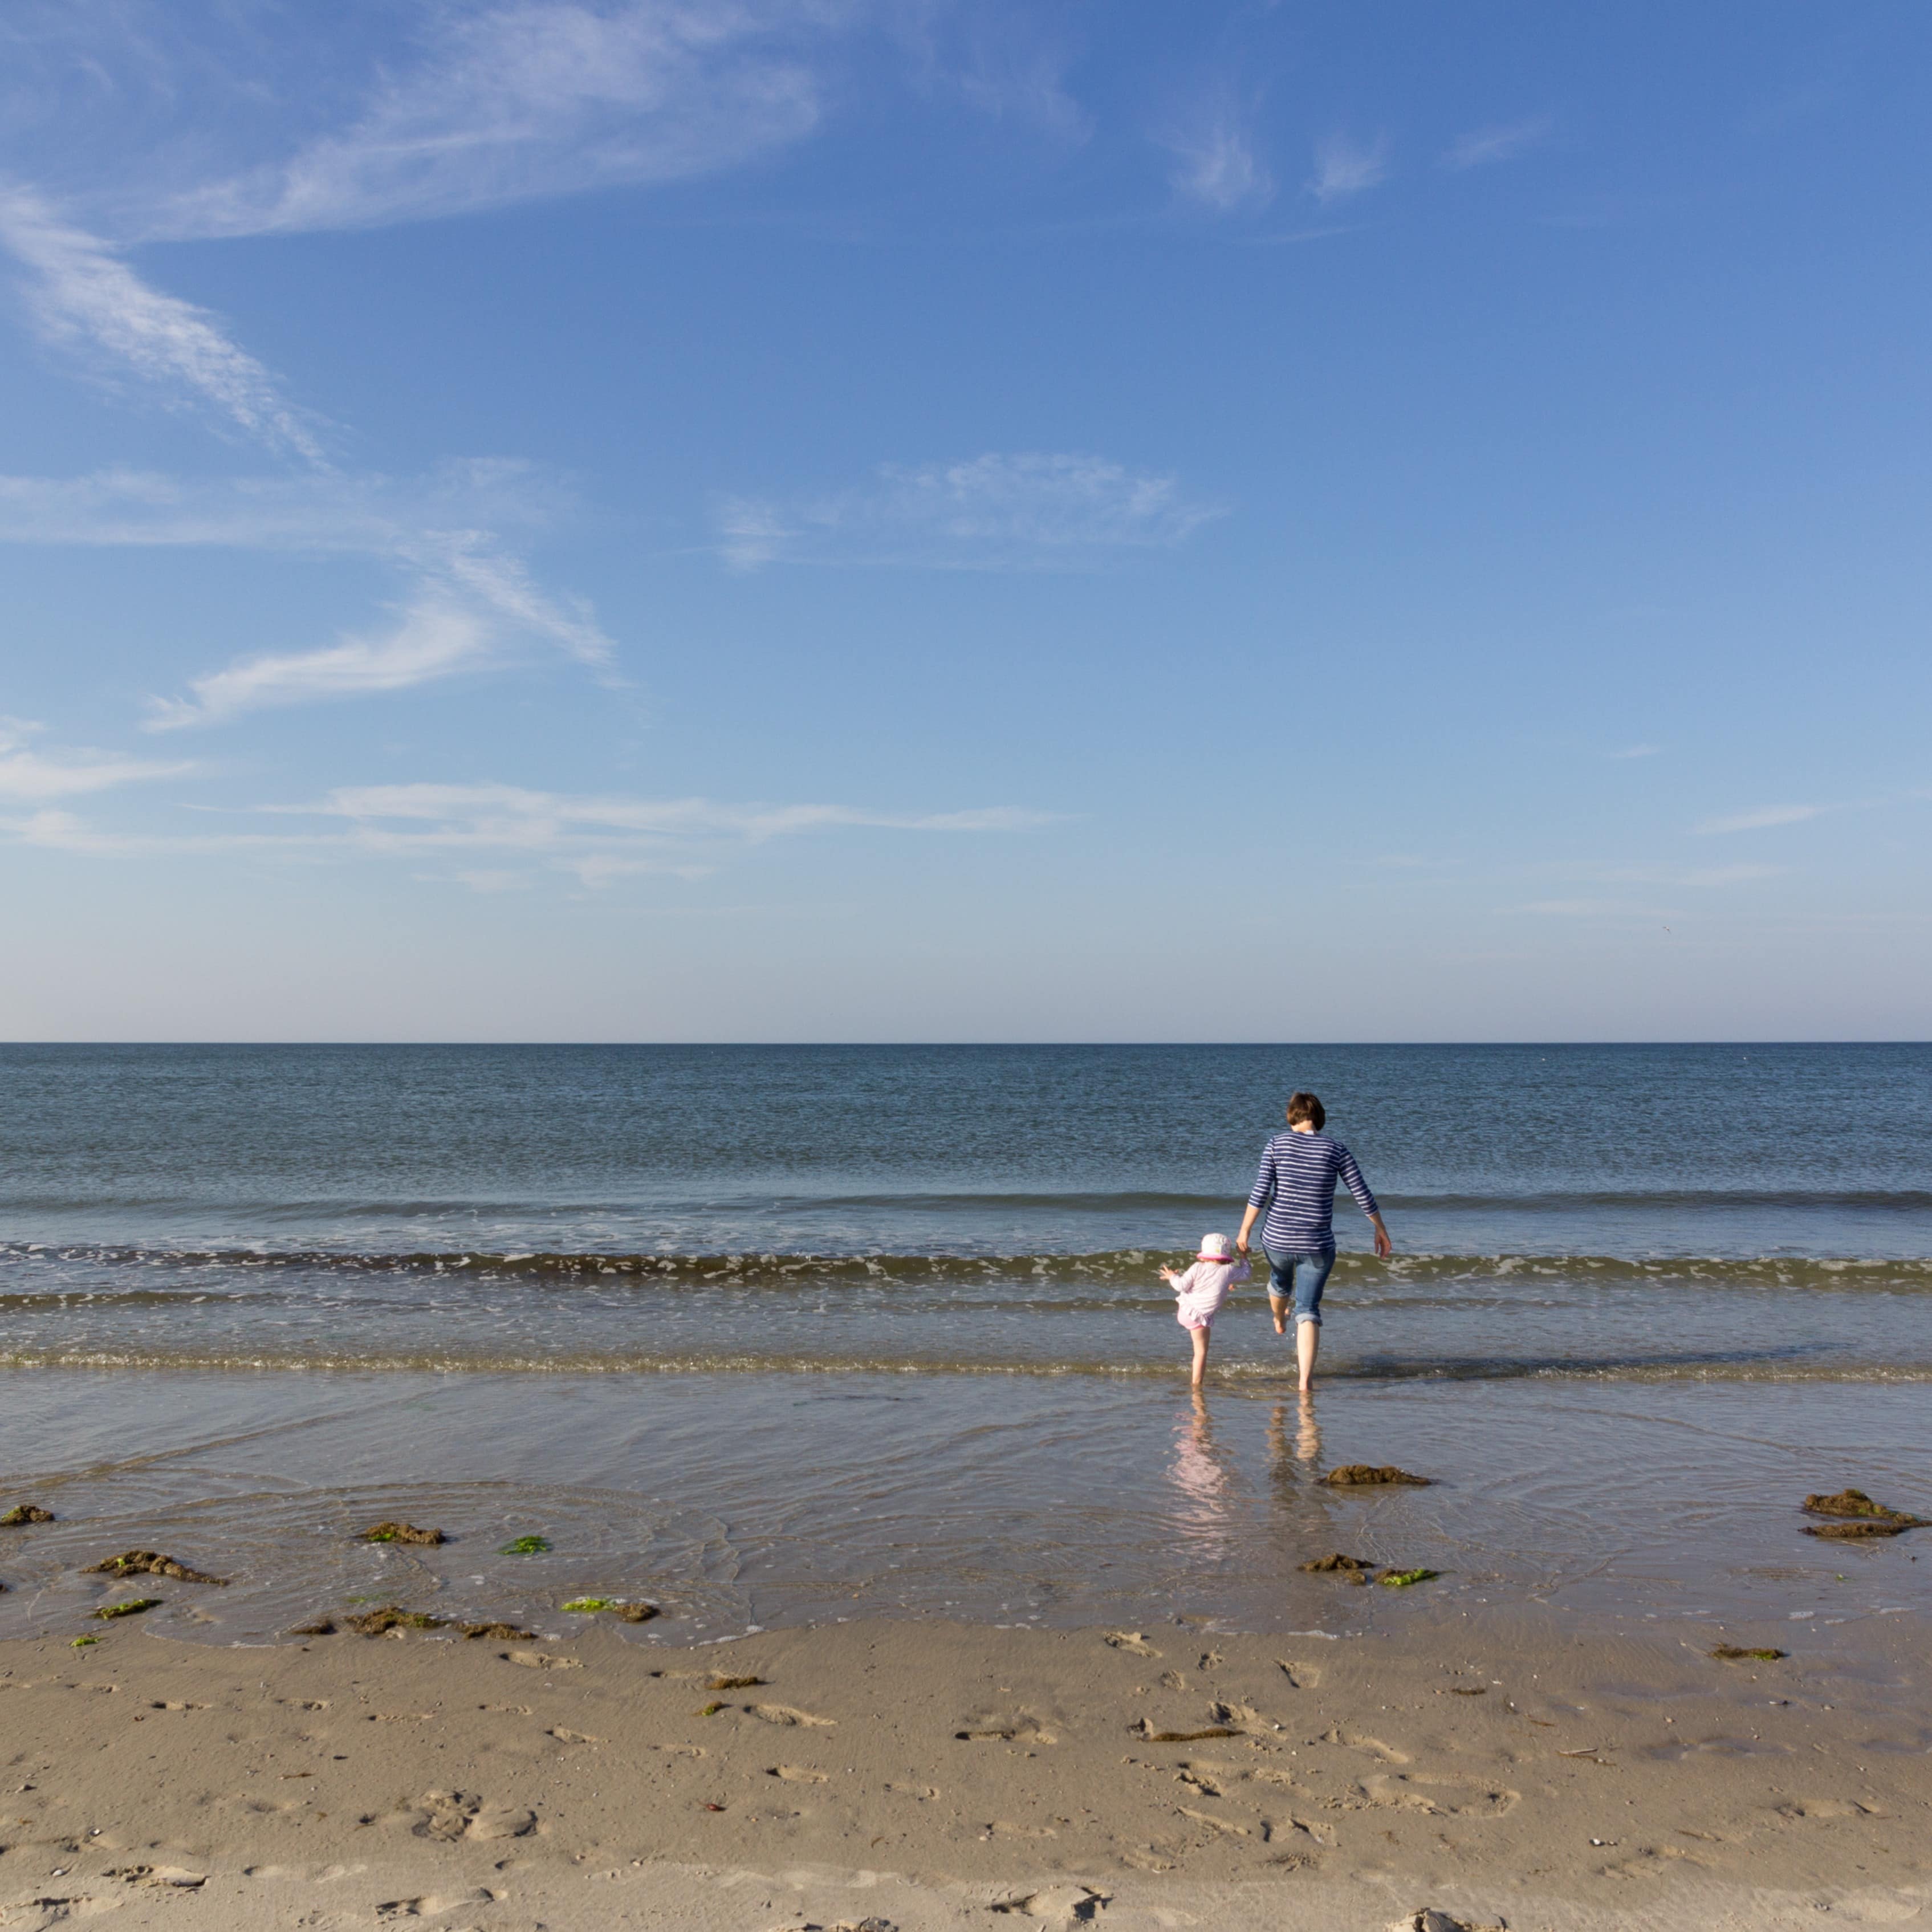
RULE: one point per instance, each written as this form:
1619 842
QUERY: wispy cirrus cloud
1217 163
497 838
991 512
305 511
493 106
471 601
34 776
1638 751
81 296
1483 146
1344 166
1763 818
469 610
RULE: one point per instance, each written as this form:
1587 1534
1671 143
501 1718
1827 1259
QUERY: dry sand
924 1775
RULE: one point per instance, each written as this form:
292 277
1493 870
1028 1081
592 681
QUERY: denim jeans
1301 1273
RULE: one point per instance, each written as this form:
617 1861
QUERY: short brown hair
1305 1107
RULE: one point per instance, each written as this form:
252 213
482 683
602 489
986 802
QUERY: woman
1297 1186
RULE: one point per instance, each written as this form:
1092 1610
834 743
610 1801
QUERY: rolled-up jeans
1300 1274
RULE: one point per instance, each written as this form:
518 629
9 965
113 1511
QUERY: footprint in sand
923 1792
1132 1642
799 1774
537 1659
1172 1680
1059 1905
566 1736
1441 1797
1361 1740
431 1903
785 1714
447 1816
1226 1826
1300 1676
168 1704
1023 1729
172 1878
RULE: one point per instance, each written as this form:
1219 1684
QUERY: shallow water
739 1499
775 1334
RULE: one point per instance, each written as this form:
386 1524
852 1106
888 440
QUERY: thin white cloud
510 104
993 512
1215 160
514 815
1638 751
81 296
32 776
471 601
430 640
469 609
1344 166
493 835
1502 142
1763 818
313 512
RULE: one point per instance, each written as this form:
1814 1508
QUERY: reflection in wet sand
1203 1479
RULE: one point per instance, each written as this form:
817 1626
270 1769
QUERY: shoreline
1499 1767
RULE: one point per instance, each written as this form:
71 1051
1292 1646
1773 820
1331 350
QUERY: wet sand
1499 1768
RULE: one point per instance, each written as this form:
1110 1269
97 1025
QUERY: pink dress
1200 1292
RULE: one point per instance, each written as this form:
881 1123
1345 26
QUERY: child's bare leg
1307 1343
1200 1356
1279 1303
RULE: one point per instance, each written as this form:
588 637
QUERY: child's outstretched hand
1167 1274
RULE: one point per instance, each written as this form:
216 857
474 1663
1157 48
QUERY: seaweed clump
1358 1475
1400 1579
502 1632
1730 1653
1857 1517
148 1563
1351 1567
401 1532
132 1607
21 1514
631 1613
322 1627
525 1546
393 1616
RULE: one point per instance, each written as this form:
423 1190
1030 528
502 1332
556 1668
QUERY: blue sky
807 519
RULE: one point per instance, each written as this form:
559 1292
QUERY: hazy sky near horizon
956 520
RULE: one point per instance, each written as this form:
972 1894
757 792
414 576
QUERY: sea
767 1335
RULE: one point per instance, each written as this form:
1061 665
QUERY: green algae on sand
525 1546
1731 1653
631 1613
21 1514
1400 1579
1362 1475
132 1607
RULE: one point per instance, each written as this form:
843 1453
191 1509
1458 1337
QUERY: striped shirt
1297 1186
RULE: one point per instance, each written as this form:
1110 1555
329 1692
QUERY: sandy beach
927 1775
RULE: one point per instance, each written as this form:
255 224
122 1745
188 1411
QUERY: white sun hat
1215 1248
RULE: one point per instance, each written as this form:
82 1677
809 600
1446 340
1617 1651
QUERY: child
1200 1292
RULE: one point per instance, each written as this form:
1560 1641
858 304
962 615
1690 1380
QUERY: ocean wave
1126 1267
1779 1365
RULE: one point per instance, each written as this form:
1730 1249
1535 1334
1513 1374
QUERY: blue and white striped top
1297 1186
